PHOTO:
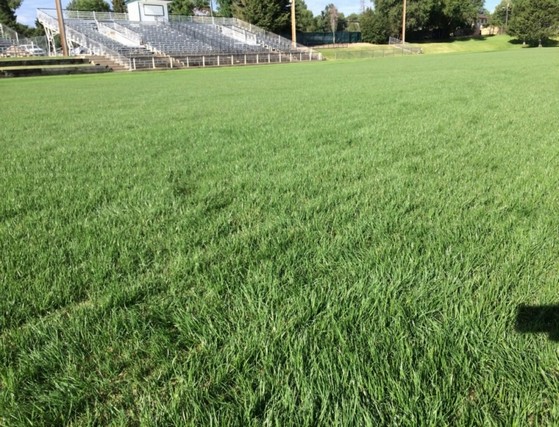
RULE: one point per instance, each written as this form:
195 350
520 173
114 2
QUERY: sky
26 14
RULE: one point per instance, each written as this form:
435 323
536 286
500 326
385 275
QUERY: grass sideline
338 243
463 45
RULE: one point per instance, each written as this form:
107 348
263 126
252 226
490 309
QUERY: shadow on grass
545 43
452 39
538 319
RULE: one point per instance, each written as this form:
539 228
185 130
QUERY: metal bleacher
180 42
213 35
137 53
160 37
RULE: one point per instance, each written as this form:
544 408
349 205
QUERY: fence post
203 61
232 63
279 57
153 61
187 62
245 59
268 58
171 61
257 59
300 56
218 60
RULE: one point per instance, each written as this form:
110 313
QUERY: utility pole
61 28
507 19
293 26
404 25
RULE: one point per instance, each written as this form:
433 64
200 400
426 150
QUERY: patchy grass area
312 244
360 51
464 45
471 44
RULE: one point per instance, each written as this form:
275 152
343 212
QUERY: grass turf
459 45
333 243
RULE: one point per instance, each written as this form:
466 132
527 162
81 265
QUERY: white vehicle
32 50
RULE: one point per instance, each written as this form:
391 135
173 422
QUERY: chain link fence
14 44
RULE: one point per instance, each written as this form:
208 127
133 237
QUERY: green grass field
458 45
338 243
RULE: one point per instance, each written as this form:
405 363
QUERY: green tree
330 19
353 22
304 17
119 6
502 14
534 21
225 8
374 27
8 12
186 7
437 18
272 15
89 5
461 13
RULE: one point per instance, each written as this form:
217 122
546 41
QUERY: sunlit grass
338 243
458 45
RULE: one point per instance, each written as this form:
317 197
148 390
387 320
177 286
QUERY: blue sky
26 14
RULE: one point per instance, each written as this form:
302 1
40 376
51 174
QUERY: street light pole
61 28
293 25
404 24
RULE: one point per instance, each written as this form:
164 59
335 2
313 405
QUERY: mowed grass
341 243
472 44
458 45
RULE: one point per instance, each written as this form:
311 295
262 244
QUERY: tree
304 17
89 5
502 14
353 23
374 27
424 18
225 8
332 13
8 12
534 20
119 6
187 7
461 13
272 15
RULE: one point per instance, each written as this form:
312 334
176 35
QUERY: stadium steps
106 62
48 67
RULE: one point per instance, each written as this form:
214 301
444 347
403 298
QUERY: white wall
148 10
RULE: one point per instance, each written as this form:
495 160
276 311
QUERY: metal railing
9 38
110 29
94 16
393 41
82 40
222 60
286 44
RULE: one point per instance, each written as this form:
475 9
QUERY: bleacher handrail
96 16
83 40
122 30
282 41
